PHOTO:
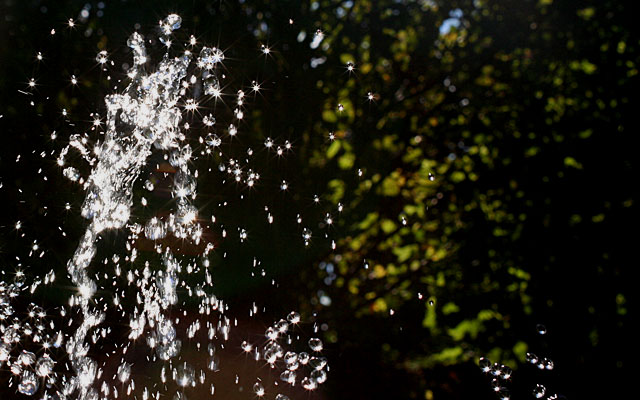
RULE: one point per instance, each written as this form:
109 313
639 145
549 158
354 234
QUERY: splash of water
144 119
145 115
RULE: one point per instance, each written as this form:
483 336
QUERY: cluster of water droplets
145 115
501 374
306 367
143 120
21 335
541 363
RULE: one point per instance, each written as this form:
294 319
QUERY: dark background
522 111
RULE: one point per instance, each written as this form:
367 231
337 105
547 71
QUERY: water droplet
282 326
44 366
539 391
246 346
504 394
309 384
180 396
209 57
506 372
213 140
317 363
124 371
306 235
101 58
290 358
26 358
209 120
258 389
185 375
485 364
319 376
28 383
71 173
213 363
303 358
155 229
170 23
293 317
288 376
86 371
315 344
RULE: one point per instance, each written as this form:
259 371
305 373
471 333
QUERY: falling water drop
531 358
539 391
124 371
309 384
185 375
506 372
258 389
320 376
209 57
315 344
101 58
155 229
485 364
170 23
44 366
293 317
28 383
317 363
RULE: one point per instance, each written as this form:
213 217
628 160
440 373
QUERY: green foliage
480 142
